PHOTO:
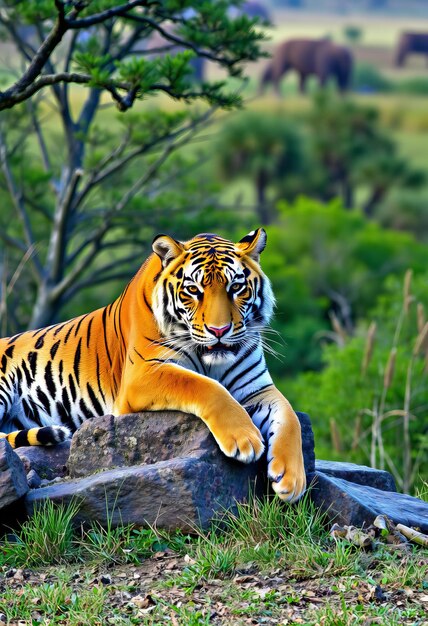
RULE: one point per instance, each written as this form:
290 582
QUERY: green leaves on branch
111 44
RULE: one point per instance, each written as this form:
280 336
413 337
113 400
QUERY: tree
83 185
267 149
351 150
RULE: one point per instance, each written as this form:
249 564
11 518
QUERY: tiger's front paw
244 443
288 478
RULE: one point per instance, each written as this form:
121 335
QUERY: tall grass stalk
378 455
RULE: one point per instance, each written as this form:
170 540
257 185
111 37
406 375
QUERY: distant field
378 29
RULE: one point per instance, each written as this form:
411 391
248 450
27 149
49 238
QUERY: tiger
185 334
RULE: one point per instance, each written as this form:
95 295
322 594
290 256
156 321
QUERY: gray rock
170 472
308 443
33 479
358 505
360 474
47 461
177 493
150 437
13 479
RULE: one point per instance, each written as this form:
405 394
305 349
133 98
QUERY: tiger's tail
43 436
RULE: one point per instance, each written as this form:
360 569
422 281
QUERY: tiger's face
211 296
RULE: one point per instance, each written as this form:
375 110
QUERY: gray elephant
411 43
310 57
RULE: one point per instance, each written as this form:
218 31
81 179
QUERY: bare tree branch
23 85
102 16
27 51
17 198
57 243
40 137
178 41
113 167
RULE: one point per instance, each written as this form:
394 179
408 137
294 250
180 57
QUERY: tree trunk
262 204
44 310
374 199
348 194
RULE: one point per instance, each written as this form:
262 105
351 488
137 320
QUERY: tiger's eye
236 287
193 290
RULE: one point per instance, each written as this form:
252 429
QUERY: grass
55 602
47 538
266 563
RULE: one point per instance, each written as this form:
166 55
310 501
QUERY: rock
177 493
33 479
354 504
145 438
308 443
47 461
360 474
169 472
13 479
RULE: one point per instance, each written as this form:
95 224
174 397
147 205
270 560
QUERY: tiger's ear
166 248
254 243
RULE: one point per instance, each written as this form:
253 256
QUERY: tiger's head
211 296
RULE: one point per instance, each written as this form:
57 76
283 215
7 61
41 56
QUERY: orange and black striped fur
183 335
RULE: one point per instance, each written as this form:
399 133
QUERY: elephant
310 57
411 43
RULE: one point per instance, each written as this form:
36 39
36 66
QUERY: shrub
369 402
368 78
322 258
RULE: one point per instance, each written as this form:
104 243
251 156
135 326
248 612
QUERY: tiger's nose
219 332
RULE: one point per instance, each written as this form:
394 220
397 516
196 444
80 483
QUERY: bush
353 33
367 78
405 210
417 86
322 258
369 402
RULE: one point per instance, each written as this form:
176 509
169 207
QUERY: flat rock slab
349 503
47 461
360 474
178 493
13 479
161 468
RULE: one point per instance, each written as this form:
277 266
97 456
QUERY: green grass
56 602
47 538
267 562
50 537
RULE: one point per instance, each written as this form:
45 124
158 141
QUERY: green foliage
121 544
319 258
269 150
91 191
405 210
273 548
417 86
353 33
368 78
338 149
207 30
251 142
369 405
353 150
212 558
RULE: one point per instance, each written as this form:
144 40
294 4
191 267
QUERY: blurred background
329 152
